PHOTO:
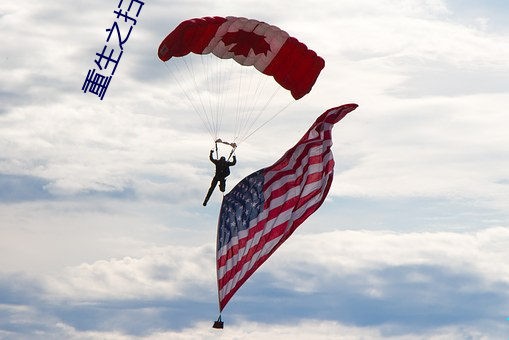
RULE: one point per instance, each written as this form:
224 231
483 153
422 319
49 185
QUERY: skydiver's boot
209 193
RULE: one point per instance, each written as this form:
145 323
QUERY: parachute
208 83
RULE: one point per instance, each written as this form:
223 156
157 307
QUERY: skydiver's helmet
222 159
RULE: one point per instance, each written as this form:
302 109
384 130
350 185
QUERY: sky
102 231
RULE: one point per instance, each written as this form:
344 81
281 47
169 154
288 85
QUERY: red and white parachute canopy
248 42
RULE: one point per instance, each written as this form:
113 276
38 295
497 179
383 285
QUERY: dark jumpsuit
222 171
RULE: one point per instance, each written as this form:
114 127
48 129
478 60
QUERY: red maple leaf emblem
244 42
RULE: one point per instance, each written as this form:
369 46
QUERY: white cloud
438 274
315 329
339 253
307 263
450 148
166 273
45 237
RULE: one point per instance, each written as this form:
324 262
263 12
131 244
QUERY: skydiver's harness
233 145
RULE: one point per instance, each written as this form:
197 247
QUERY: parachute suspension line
253 99
205 66
224 69
196 109
212 82
191 70
213 90
267 121
261 111
217 91
218 75
239 110
244 109
250 101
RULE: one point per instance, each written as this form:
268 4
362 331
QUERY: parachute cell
250 43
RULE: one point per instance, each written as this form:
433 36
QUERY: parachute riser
231 153
233 145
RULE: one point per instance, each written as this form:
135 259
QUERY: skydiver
222 171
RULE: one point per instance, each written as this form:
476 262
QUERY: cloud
168 273
315 329
412 281
377 284
343 252
449 158
306 329
371 284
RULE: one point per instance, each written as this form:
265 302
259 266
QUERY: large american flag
266 207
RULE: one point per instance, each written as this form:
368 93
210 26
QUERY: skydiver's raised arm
234 161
